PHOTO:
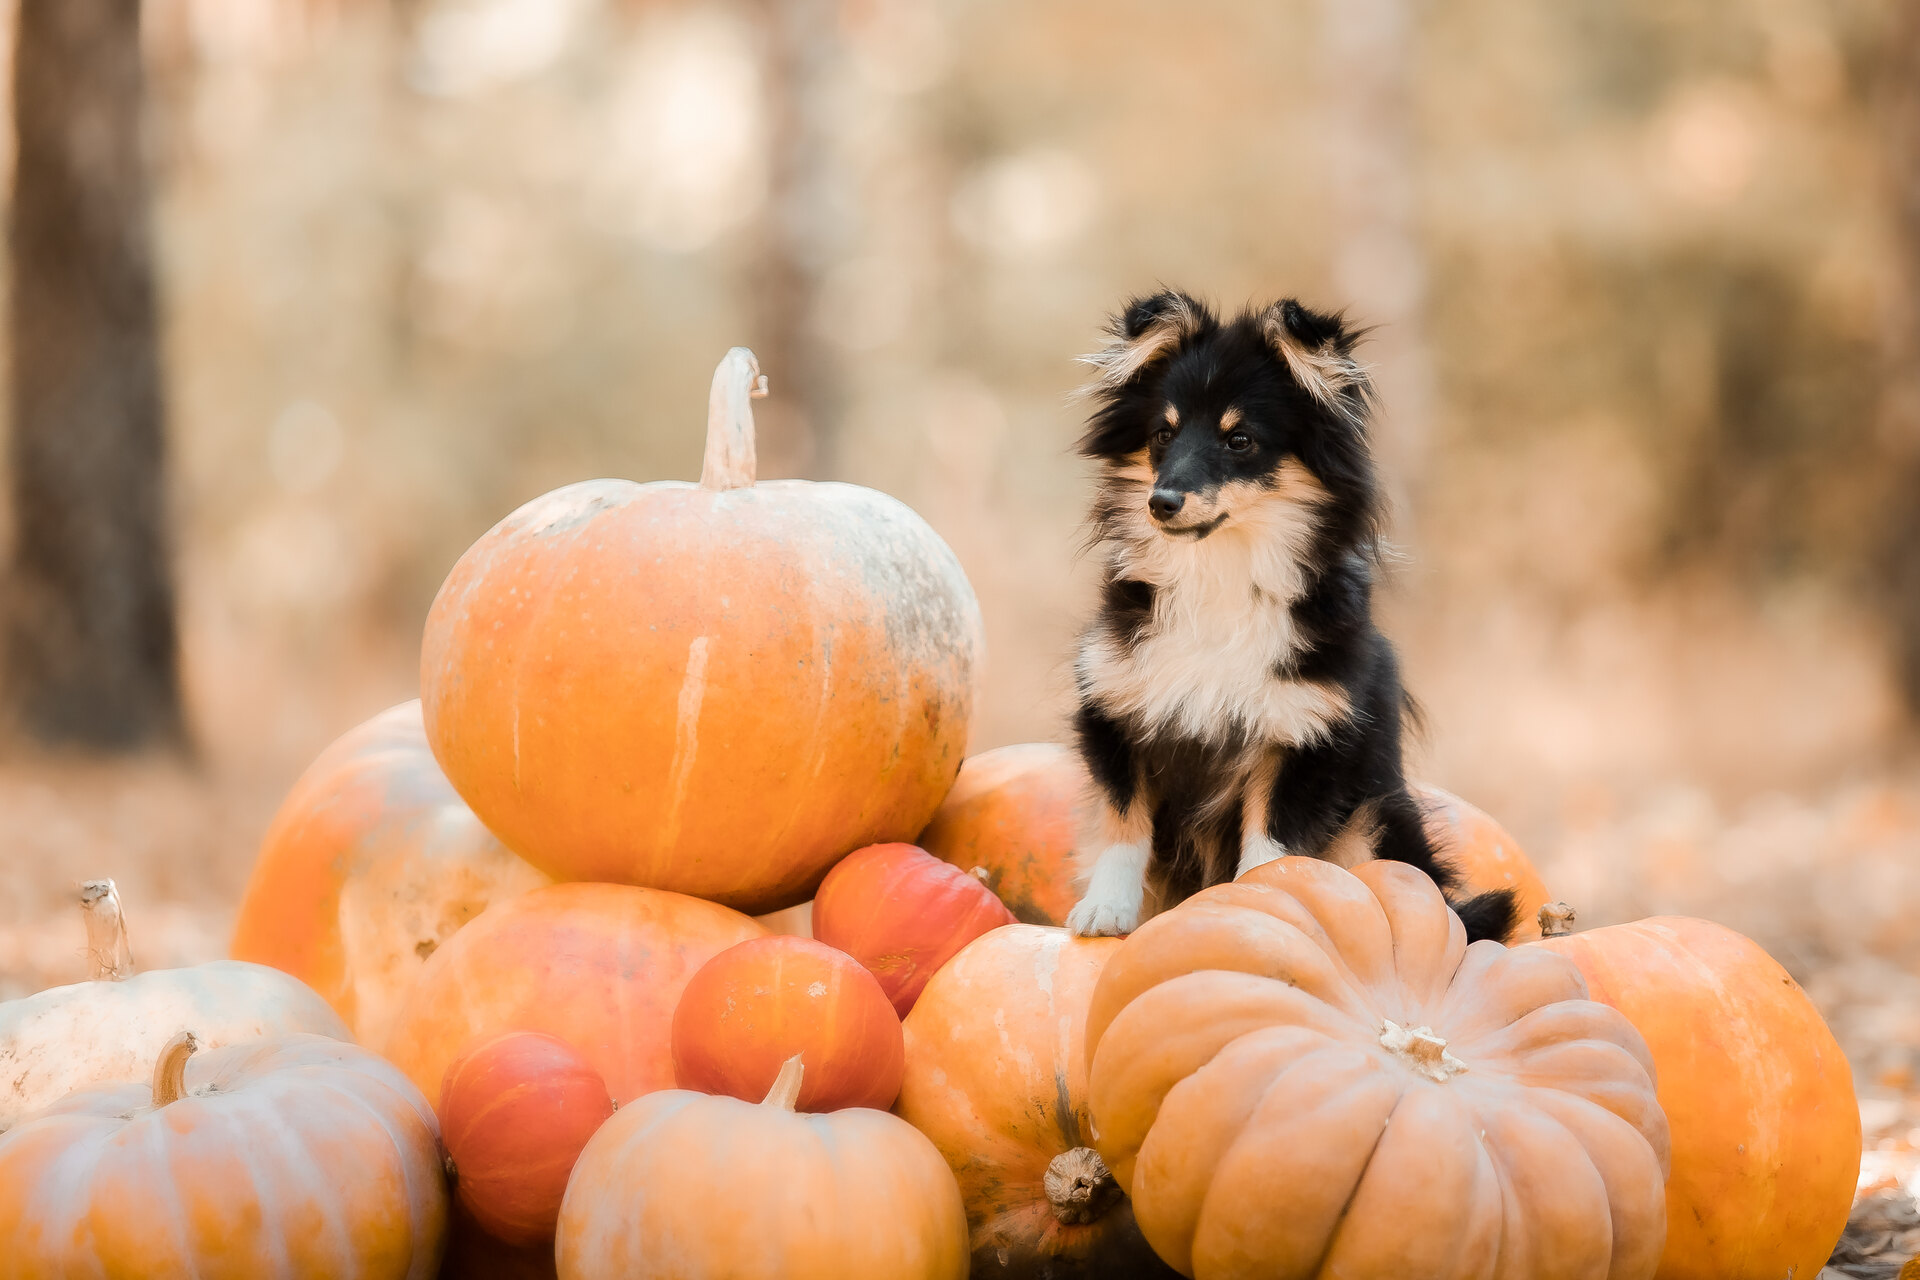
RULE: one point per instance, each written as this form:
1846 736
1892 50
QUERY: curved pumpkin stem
1555 919
170 1073
109 956
786 1086
729 461
1080 1187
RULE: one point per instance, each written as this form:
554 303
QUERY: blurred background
1644 276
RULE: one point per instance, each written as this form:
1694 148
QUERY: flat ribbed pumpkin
691 1186
1483 853
997 1078
109 1029
1310 1073
1013 811
716 688
372 862
292 1156
1766 1130
600 966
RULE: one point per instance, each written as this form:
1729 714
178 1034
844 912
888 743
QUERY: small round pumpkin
110 1028
601 966
684 1184
754 1006
1013 810
1766 1131
718 688
515 1110
293 1156
1486 857
997 1078
903 913
1309 1072
372 862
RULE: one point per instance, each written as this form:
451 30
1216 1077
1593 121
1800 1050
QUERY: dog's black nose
1165 503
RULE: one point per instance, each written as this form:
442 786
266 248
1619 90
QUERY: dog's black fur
1236 699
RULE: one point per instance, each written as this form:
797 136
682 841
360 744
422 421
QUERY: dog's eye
1163 436
1239 442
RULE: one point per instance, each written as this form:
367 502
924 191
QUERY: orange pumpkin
1013 810
294 1156
1310 1073
1484 854
684 1184
717 688
372 862
756 1005
515 1110
1766 1131
903 913
601 966
997 1078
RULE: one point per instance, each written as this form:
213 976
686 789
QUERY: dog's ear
1318 349
1145 330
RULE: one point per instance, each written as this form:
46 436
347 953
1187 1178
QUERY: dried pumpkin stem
1556 919
109 956
730 461
786 1086
170 1073
1080 1187
1421 1050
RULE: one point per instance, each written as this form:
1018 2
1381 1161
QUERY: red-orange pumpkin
601 966
1758 1095
1483 853
372 862
903 913
1013 811
754 1006
515 1110
717 689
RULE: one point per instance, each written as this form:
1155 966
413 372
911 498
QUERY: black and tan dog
1237 702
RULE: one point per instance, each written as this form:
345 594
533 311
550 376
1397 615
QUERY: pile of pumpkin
644 841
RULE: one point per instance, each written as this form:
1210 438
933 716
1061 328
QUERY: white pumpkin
110 1030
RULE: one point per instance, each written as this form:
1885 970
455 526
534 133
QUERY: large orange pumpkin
716 688
293 1156
1310 1073
600 966
372 862
997 1078
1013 811
754 1006
903 913
683 1185
1486 857
1766 1131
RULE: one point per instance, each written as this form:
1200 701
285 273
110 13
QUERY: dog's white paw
1113 914
1258 851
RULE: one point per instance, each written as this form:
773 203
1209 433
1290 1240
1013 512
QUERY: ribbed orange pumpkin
1310 1073
903 913
601 966
515 1110
293 1156
1013 811
717 688
1766 1131
372 862
754 1006
1484 854
683 1186
997 1078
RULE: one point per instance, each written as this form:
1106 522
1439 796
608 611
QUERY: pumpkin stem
786 1086
109 956
1080 1187
1422 1050
737 383
1555 917
170 1073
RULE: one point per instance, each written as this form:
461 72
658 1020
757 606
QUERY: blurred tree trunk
1901 553
91 647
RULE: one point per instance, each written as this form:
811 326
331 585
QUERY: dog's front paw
1112 915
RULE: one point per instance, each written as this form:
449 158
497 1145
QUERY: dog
1236 702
